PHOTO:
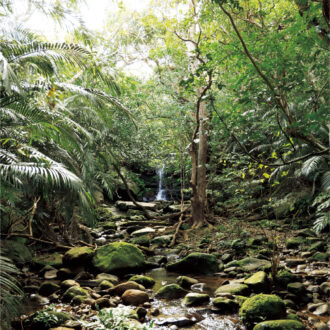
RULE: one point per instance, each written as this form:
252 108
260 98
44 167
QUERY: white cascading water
161 193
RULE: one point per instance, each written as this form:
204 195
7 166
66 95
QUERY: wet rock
105 284
171 291
118 257
109 277
146 281
186 282
178 321
50 274
262 307
101 303
134 297
64 273
68 284
119 289
195 263
78 256
47 288
325 288
253 264
54 260
162 240
280 325
296 288
72 292
196 299
321 310
258 282
143 231
284 277
225 304
234 288
319 256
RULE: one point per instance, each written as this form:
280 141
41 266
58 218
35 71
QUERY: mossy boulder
254 264
109 277
186 282
225 304
72 292
234 288
262 307
195 263
295 242
78 256
319 256
54 260
47 288
118 257
171 291
258 282
280 325
284 277
195 299
105 284
143 240
146 281
162 240
66 284
44 320
78 300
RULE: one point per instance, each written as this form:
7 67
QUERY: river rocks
78 256
105 284
321 309
68 284
195 263
234 288
284 277
134 297
119 289
225 304
74 291
47 288
162 240
146 281
295 242
50 274
195 299
54 260
186 282
258 282
118 257
319 256
171 291
109 277
262 307
296 288
325 288
143 240
280 325
253 264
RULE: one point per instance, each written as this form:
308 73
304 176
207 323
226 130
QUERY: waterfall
161 193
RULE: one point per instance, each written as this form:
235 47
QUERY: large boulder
195 263
78 256
262 307
118 257
171 291
134 297
280 325
253 264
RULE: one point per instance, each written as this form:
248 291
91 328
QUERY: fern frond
325 181
311 165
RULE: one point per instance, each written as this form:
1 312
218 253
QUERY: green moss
225 304
240 299
195 299
319 256
17 251
146 281
284 277
235 288
201 263
74 291
54 260
280 325
186 282
258 281
262 307
171 291
105 284
78 256
78 300
143 240
295 242
118 257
